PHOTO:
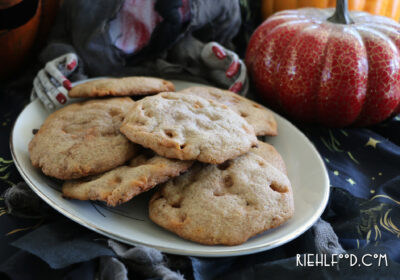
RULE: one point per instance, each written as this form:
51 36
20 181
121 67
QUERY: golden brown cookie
124 182
270 154
82 139
188 127
259 117
224 204
127 86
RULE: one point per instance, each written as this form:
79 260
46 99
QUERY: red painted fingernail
236 87
71 65
219 53
67 84
61 98
232 69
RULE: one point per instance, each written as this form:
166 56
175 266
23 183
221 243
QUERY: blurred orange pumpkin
22 23
389 8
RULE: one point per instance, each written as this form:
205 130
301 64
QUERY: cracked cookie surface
259 117
188 127
226 203
82 139
123 183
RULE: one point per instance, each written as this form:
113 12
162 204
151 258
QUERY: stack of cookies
216 182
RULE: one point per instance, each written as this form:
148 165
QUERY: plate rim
229 251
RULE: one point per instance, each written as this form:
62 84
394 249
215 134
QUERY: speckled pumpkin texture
318 71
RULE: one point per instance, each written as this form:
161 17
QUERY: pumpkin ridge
387 27
368 114
352 86
357 119
309 95
276 70
317 87
258 33
269 85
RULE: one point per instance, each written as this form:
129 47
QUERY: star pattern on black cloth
364 168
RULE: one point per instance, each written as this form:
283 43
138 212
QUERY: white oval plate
129 223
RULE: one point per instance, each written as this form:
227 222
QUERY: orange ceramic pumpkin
16 40
22 24
389 8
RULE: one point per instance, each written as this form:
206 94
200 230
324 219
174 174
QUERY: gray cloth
22 202
66 244
326 241
82 28
147 261
112 269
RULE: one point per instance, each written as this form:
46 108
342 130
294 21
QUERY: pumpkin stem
341 14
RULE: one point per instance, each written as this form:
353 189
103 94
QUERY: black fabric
363 210
168 9
24 266
364 170
63 243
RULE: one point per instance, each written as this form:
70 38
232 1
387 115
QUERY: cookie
259 117
127 86
224 204
270 154
124 182
188 127
82 139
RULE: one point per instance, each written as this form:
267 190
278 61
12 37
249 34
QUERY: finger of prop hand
237 86
218 51
45 81
59 96
216 56
69 64
240 88
233 69
66 63
56 74
37 87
